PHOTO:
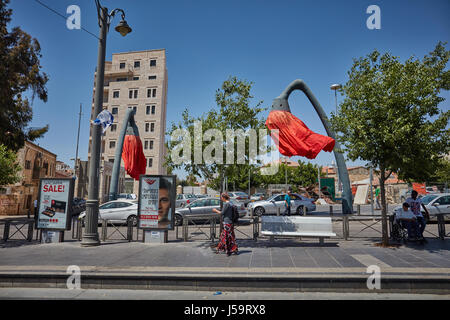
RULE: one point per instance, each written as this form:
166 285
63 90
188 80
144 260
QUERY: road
116 294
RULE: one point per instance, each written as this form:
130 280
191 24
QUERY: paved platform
284 265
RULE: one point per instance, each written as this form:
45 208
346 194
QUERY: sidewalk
285 265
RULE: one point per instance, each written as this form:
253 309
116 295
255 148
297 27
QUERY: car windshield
427 199
190 196
241 194
272 197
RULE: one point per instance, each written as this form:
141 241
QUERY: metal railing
18 225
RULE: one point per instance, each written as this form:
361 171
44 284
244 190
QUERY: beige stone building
36 163
137 80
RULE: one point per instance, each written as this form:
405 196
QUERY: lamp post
90 236
336 87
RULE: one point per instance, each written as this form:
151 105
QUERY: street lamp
90 237
336 87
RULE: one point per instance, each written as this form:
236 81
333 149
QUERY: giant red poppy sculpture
294 138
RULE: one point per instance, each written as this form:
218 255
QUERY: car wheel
259 211
300 211
133 220
178 220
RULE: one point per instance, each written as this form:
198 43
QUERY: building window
121 79
137 64
152 127
27 164
145 144
152 63
135 78
122 65
134 110
116 94
147 127
133 94
113 127
150 162
112 144
151 93
153 109
114 110
147 110
151 144
151 77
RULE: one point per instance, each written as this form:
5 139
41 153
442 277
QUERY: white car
117 211
437 204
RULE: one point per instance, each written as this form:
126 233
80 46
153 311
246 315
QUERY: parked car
78 206
436 204
271 205
129 196
257 197
184 199
118 211
204 206
239 196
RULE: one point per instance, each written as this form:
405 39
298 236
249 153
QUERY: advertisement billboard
156 204
54 206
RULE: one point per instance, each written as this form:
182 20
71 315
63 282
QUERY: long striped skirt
227 241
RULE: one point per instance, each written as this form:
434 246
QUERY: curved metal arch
281 103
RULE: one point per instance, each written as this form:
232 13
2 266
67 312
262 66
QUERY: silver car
271 205
117 211
184 199
437 204
204 206
239 196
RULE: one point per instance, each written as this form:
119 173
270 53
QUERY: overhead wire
62 16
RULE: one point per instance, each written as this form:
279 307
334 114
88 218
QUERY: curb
228 282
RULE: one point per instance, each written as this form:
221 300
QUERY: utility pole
78 139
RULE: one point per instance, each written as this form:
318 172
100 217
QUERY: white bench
307 227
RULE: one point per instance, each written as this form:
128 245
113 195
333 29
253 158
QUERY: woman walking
227 241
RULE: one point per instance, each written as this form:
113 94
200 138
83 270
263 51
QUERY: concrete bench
306 227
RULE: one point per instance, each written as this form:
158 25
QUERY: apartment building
136 80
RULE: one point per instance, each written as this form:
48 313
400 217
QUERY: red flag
295 139
133 156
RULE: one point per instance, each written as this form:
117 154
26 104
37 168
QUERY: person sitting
408 220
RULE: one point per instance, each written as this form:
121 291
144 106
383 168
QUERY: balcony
115 70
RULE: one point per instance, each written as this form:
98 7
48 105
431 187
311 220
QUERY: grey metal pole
371 191
78 140
90 236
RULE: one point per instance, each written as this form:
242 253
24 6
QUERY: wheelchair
400 232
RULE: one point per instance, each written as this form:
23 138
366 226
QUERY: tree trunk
384 222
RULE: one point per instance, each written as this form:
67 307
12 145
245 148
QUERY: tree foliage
20 71
9 167
390 115
233 112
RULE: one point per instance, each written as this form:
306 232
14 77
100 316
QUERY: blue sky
269 43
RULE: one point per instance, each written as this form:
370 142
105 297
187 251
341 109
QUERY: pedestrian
408 220
416 204
287 203
35 207
377 198
227 240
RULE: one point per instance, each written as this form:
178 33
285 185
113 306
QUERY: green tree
9 168
390 116
20 71
233 112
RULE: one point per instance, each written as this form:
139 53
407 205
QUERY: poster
156 202
54 209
